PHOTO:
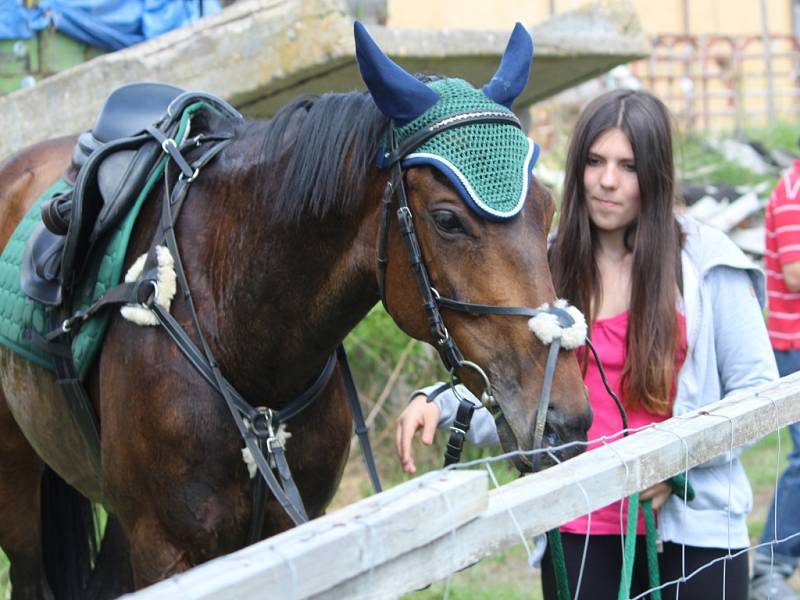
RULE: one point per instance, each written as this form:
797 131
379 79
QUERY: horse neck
290 294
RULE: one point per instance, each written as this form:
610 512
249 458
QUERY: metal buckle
487 397
443 334
192 178
455 429
147 304
263 414
166 143
68 324
264 418
272 442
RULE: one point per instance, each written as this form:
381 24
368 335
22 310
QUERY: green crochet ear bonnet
489 164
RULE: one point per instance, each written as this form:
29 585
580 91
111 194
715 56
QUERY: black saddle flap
40 279
120 178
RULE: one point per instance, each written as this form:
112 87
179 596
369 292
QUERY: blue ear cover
399 95
512 74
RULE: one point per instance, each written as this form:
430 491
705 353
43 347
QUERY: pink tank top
608 337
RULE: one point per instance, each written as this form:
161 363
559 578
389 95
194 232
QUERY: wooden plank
310 558
738 210
546 500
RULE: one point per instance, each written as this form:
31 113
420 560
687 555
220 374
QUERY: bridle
433 301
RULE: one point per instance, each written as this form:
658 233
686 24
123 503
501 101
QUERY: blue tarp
107 24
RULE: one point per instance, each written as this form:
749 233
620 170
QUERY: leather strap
358 417
458 432
544 400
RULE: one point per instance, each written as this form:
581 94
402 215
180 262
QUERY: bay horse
279 237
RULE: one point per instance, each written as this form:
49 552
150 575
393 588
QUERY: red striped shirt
782 224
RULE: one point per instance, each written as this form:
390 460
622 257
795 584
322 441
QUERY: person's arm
791 275
782 222
440 413
744 355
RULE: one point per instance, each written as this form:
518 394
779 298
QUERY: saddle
113 160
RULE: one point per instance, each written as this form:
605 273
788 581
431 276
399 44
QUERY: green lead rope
681 488
629 546
559 564
654 574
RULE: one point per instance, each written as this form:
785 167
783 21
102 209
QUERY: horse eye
448 222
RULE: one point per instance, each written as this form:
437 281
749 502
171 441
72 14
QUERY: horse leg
154 555
112 575
20 520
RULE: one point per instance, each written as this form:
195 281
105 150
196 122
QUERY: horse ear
398 94
512 74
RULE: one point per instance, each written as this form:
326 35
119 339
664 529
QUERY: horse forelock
315 156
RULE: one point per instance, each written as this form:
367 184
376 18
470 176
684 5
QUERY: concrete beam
259 54
569 49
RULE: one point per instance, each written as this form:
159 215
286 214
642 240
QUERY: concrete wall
258 54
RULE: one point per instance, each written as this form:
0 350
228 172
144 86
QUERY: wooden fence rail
423 530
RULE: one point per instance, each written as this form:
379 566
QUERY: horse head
472 230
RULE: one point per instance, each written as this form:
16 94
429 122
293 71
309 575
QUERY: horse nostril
569 426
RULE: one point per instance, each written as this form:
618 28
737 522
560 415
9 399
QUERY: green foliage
696 162
782 135
388 365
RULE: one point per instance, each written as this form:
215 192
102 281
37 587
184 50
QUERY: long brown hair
649 373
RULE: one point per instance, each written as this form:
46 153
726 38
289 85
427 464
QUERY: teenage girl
675 311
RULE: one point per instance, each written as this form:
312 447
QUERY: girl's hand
418 414
658 493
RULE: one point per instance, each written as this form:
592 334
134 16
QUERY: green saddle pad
19 314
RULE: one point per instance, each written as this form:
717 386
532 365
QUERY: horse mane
316 154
